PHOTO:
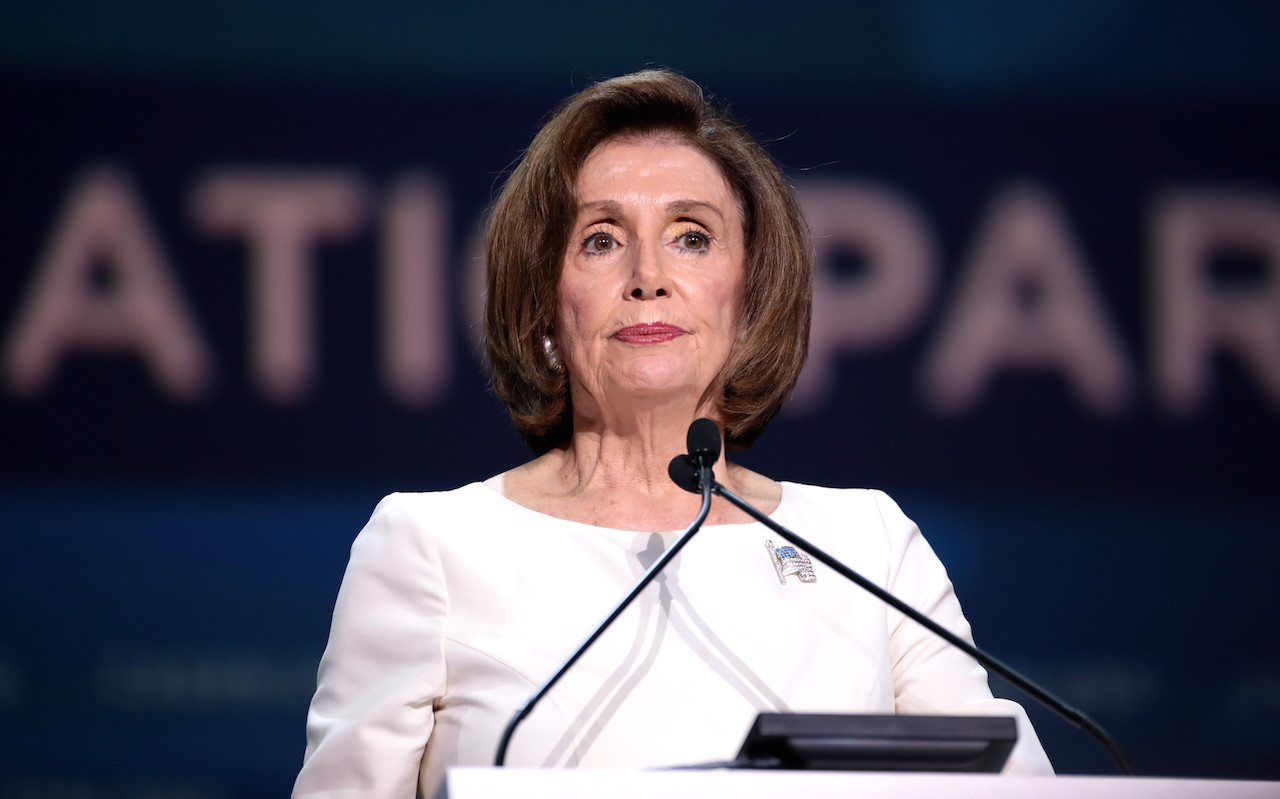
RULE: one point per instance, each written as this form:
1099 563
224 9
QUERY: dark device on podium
842 742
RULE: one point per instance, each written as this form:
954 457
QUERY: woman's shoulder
806 501
465 523
864 509
432 504
406 516
869 499
863 526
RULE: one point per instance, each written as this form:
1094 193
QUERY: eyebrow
613 208
684 206
609 208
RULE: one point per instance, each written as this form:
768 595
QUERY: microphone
684 474
703 442
688 472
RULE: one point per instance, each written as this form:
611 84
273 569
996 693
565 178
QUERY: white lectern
521 783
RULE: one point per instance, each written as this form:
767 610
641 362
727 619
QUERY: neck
615 475
630 457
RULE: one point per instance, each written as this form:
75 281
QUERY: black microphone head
703 441
684 474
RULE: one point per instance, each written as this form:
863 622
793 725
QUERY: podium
494 783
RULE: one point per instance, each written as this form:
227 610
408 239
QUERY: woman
648 265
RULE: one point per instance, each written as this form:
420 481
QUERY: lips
648 333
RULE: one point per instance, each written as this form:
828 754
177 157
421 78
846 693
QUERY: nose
648 277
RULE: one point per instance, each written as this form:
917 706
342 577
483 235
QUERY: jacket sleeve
929 674
383 668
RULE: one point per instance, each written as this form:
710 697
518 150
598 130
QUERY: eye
694 240
599 242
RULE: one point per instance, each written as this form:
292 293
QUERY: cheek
577 307
568 303
727 298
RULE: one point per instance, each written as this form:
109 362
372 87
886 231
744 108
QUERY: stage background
237 306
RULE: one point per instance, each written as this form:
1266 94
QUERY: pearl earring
551 351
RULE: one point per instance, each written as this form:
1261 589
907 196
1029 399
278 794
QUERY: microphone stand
707 481
693 473
1071 714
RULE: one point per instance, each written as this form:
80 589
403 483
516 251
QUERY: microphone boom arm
708 483
1071 714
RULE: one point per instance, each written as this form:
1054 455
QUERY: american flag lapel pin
788 560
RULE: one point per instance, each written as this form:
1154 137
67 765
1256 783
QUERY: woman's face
652 273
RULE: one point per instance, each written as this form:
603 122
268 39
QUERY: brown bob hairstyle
528 237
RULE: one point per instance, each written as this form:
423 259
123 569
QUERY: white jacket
456 606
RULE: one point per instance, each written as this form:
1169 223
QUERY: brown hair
528 235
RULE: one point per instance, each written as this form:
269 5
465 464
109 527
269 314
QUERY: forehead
658 167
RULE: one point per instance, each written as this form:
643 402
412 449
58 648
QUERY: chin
661 382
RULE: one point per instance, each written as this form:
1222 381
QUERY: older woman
648 265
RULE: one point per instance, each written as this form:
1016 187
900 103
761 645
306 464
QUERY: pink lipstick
648 333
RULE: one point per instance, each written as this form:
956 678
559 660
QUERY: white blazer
456 606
